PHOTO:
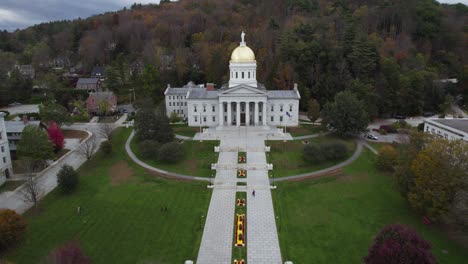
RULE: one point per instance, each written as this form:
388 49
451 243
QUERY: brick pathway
262 237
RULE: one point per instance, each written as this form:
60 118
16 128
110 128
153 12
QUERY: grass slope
196 162
184 130
333 220
305 129
119 223
288 160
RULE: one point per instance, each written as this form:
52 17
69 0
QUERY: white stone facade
452 129
241 102
6 169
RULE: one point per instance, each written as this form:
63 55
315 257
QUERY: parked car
373 137
400 117
428 114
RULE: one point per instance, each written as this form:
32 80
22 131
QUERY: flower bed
237 261
240 230
242 159
240 202
242 173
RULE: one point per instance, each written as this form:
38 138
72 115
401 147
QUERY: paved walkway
262 237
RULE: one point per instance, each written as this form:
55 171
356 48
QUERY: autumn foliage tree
12 228
56 136
387 158
69 253
396 244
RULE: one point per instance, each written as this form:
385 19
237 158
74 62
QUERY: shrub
399 244
69 253
388 129
12 228
382 132
67 179
106 147
334 150
312 153
174 118
387 158
149 149
171 152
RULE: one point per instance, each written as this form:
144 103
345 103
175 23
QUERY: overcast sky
23 13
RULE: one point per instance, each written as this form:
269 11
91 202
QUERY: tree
439 171
397 243
313 110
105 130
106 147
56 136
387 158
174 118
104 107
346 115
446 106
70 253
35 145
12 228
67 179
32 189
363 57
170 152
53 112
87 148
151 124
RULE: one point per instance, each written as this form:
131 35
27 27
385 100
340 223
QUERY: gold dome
242 54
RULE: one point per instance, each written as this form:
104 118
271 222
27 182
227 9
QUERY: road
20 109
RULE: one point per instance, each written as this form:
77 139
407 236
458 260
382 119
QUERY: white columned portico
256 110
247 113
264 114
229 113
238 114
221 113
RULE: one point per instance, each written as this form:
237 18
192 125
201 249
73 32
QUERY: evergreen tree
363 57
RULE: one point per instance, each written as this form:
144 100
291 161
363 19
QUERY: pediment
243 90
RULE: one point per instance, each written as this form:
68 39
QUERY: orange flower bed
240 230
242 173
237 261
242 159
240 202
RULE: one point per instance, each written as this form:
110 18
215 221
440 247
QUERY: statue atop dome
242 37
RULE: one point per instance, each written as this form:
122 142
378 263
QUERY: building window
177 103
249 75
195 118
204 108
237 76
185 103
214 119
169 103
281 118
272 108
290 108
272 119
213 108
182 111
225 119
204 119
195 108
242 75
4 160
281 108
3 149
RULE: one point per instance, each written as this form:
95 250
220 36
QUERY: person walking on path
253 193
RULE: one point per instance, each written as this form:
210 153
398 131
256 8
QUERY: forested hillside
389 52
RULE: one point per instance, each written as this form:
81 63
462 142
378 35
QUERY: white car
373 137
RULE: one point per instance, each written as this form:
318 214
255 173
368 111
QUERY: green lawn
185 130
10 186
333 220
305 129
197 160
378 145
287 156
121 219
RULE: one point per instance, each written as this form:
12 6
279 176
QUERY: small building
14 129
26 70
176 98
94 103
89 84
6 168
98 72
451 129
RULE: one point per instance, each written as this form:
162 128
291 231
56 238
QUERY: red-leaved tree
69 253
56 136
397 244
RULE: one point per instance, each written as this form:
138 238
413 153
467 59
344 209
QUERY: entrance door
242 119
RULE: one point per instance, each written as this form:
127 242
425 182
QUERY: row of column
238 113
